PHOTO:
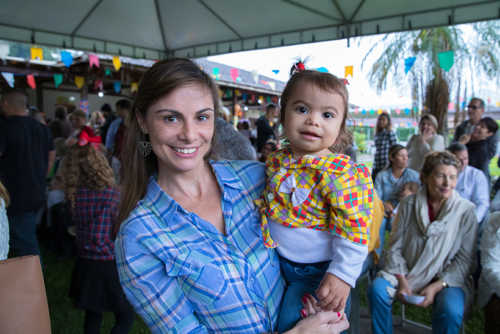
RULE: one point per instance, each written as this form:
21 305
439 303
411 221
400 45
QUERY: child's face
313 118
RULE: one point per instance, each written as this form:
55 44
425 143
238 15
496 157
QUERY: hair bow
299 66
85 138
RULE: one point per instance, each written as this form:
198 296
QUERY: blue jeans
447 310
300 279
22 231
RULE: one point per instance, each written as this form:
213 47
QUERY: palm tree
430 84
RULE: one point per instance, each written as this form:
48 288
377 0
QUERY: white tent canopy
197 28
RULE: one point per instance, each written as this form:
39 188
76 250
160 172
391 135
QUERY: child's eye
329 114
302 109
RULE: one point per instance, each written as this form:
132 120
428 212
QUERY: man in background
266 126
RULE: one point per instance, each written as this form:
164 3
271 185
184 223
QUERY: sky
334 55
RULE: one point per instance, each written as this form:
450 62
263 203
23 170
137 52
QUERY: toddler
318 204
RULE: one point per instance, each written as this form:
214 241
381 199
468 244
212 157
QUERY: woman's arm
395 262
155 296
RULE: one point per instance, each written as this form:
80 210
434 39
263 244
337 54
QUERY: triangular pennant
322 69
276 71
117 86
66 58
93 61
58 79
107 72
9 77
117 63
31 81
216 73
409 63
446 60
134 86
349 70
79 81
98 84
37 53
234 73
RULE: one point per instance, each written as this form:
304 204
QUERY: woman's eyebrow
177 113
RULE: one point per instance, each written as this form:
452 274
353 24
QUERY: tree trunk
437 98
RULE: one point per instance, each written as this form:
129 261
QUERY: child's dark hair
327 82
490 124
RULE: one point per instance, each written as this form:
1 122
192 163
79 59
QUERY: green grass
64 317
494 169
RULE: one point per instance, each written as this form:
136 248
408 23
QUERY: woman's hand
429 292
333 293
464 139
403 288
388 209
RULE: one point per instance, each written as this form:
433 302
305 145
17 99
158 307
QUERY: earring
144 147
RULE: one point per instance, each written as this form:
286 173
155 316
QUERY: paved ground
365 325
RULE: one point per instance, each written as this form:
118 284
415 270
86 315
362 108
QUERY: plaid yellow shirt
328 193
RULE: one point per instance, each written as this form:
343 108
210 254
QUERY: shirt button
270 196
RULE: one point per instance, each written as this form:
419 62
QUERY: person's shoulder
244 169
412 173
141 220
474 173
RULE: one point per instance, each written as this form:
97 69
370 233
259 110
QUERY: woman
390 181
426 141
189 251
384 139
431 252
489 282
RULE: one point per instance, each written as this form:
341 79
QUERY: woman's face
441 182
180 127
400 159
480 132
426 124
383 121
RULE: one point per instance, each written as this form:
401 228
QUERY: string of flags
446 60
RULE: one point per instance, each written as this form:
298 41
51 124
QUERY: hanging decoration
84 106
234 73
134 86
216 73
58 79
398 111
79 81
446 60
117 63
107 72
372 111
349 70
409 63
276 71
255 76
66 58
379 111
356 110
363 112
407 111
9 77
37 53
31 81
451 106
98 85
322 69
117 85
93 61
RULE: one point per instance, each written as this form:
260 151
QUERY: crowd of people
200 227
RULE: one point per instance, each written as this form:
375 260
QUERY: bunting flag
117 85
93 60
322 69
84 105
9 77
79 81
409 63
98 85
380 111
356 110
451 106
349 70
31 81
234 73
216 73
117 63
372 111
37 53
255 76
66 58
360 123
276 71
264 82
134 86
407 111
446 60
398 111
363 112
4 50
272 84
107 72
58 79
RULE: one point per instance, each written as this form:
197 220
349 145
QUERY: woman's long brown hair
4 194
160 80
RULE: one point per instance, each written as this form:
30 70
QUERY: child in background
318 204
407 189
4 222
89 185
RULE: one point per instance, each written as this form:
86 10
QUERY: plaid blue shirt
383 142
93 216
183 276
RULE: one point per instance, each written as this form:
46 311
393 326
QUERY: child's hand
333 293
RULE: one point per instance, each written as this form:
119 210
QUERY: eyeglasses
473 107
